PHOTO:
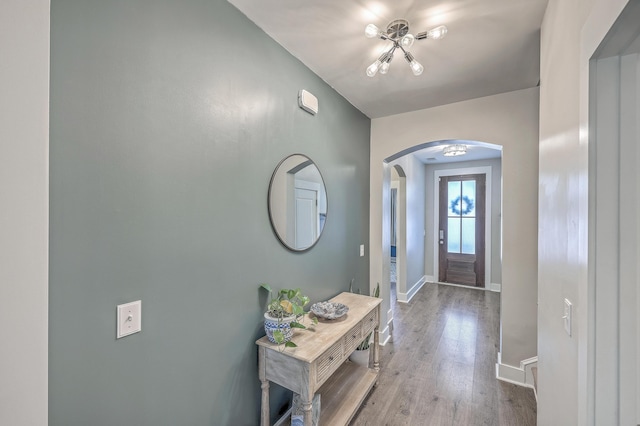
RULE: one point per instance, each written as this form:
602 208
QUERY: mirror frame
273 225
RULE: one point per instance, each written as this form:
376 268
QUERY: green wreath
468 205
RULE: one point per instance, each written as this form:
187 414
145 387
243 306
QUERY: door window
461 216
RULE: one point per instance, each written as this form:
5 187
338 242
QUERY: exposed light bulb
437 33
371 31
373 68
407 40
384 68
416 67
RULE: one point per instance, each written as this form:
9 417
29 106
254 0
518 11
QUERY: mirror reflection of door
461 231
307 220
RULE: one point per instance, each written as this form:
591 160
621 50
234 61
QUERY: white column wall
412 249
24 215
571 31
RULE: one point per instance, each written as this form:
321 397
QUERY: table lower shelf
343 393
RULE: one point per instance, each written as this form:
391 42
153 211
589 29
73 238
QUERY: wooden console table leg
264 413
376 350
307 407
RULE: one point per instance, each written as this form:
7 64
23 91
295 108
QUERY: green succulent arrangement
283 304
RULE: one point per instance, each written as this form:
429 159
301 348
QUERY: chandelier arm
390 52
407 55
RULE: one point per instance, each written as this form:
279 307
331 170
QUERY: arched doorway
509 120
406 289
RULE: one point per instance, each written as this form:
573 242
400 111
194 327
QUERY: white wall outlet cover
129 317
361 250
308 102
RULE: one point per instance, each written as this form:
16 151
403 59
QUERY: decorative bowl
329 310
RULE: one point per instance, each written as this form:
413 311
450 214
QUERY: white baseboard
385 335
406 297
510 374
430 278
527 365
463 286
497 287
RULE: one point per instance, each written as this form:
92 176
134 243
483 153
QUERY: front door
461 230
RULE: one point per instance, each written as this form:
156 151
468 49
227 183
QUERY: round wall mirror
297 202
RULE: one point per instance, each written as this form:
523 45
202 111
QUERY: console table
318 364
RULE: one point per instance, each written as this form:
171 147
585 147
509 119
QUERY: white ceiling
433 153
492 46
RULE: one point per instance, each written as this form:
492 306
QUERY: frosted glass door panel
452 195
468 199
453 242
469 235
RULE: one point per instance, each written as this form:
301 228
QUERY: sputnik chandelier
397 32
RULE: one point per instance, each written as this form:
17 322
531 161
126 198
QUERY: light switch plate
361 250
568 312
129 318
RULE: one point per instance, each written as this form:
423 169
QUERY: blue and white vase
283 324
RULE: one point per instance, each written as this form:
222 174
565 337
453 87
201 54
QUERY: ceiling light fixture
397 32
454 150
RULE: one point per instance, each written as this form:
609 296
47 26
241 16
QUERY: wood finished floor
440 367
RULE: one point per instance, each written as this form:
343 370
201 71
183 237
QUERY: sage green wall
167 120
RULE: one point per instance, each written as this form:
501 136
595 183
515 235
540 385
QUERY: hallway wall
571 31
165 132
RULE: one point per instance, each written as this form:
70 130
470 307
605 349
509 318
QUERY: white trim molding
497 287
510 374
406 297
463 286
527 365
386 334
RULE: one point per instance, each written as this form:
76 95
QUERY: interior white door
307 219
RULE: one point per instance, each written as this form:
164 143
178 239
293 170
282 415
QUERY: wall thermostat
308 102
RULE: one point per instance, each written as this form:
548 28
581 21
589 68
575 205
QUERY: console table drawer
370 322
352 339
329 362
